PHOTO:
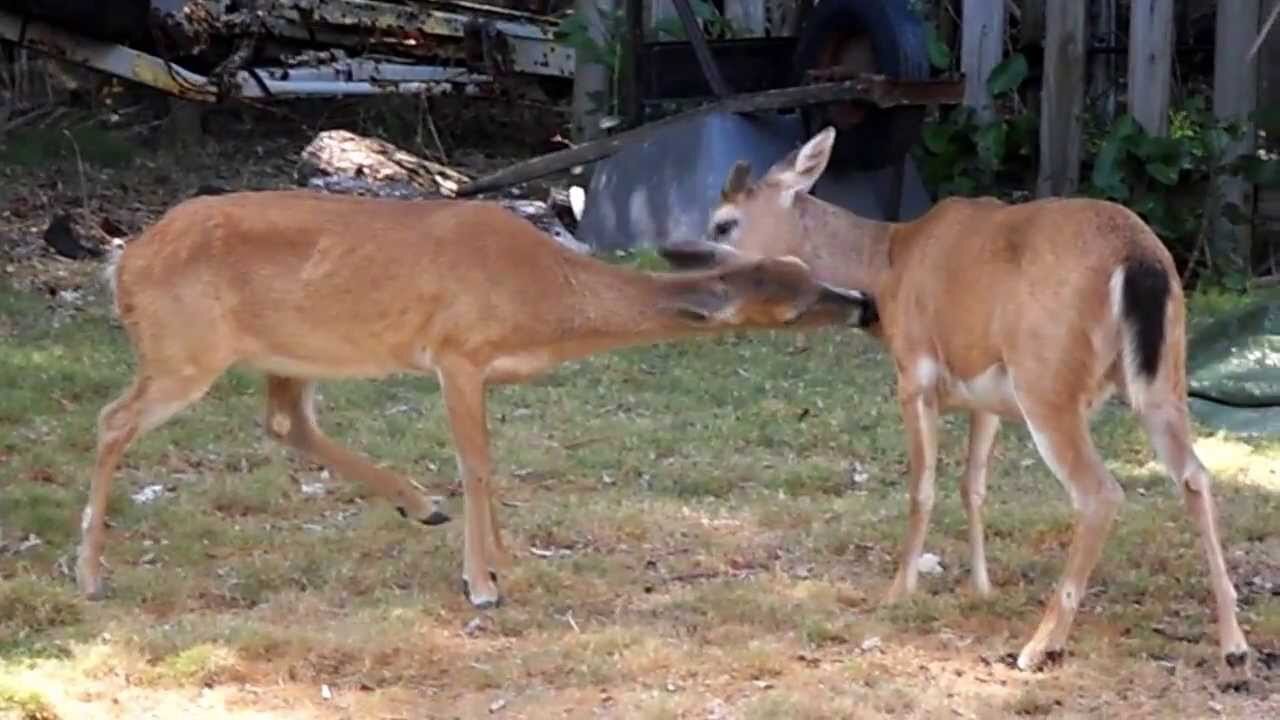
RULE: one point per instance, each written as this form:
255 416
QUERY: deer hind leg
1062 438
1168 428
982 436
291 420
920 417
147 404
463 389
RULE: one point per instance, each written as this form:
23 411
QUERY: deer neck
610 307
845 249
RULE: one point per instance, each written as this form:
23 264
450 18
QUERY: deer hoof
483 601
1036 660
1235 673
90 583
435 517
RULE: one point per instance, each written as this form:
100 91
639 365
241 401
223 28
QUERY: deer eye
724 227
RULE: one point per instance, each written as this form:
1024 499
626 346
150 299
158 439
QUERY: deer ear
738 180
799 171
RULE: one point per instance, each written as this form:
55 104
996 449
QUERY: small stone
930 564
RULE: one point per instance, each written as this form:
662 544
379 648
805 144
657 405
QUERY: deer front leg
920 417
982 437
463 390
291 419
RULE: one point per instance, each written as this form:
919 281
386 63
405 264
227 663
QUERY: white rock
930 564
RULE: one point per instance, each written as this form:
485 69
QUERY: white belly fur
989 391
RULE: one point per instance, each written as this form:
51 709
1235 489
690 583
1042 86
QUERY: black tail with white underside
1145 301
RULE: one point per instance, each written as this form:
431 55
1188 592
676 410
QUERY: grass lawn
702 530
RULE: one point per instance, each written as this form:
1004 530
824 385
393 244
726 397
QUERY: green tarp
1233 369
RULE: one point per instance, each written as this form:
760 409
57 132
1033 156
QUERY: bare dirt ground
702 530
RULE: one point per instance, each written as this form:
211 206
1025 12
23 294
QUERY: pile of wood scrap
340 161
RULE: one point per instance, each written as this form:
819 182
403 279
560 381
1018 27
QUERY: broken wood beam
875 89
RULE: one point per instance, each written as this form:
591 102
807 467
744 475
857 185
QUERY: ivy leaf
1217 140
1167 174
1164 150
1008 75
937 138
991 141
1125 127
939 53
1107 175
962 186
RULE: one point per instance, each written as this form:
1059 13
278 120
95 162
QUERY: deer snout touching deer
305 286
1034 312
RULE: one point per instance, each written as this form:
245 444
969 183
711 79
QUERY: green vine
963 155
1173 182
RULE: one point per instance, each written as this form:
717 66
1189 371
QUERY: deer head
760 292
765 218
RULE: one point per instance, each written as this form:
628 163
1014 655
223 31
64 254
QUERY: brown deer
1035 312
305 286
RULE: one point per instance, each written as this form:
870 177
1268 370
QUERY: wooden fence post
1235 94
981 47
1151 39
746 16
1062 99
1102 67
591 81
1031 25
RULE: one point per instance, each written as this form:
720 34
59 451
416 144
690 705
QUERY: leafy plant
607 51
713 23
575 31
963 155
1172 182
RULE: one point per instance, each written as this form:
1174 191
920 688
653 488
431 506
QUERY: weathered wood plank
981 47
1151 39
1062 99
746 16
633 37
1235 95
591 81
1031 26
1102 24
